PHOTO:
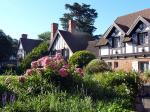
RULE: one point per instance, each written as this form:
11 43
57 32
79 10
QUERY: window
115 64
65 53
116 42
110 64
143 66
142 38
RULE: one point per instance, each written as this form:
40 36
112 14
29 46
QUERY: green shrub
36 53
81 58
96 66
101 92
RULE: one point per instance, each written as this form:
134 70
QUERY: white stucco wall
104 50
129 47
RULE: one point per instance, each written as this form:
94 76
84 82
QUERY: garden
83 84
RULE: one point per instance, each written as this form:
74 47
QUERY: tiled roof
102 41
29 44
126 21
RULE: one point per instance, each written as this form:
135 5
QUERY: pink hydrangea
40 70
46 61
29 72
66 66
39 61
63 72
22 79
34 64
58 56
79 71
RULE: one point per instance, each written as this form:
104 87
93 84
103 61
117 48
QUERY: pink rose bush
79 71
55 63
63 72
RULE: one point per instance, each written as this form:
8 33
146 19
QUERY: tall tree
5 46
45 36
82 14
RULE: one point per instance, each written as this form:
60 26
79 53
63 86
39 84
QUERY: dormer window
116 42
142 38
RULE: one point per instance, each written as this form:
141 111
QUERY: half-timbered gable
126 44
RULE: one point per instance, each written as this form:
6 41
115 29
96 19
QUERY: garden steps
143 100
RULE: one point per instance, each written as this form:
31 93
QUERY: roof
92 47
75 41
29 44
126 21
102 41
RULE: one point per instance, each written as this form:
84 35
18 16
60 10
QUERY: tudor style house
68 42
26 45
126 43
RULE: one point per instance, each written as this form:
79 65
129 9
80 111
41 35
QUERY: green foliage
45 36
96 66
81 58
84 16
6 46
102 92
36 53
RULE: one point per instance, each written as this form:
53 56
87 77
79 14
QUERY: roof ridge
133 13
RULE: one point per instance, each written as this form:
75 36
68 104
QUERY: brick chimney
24 36
71 26
54 28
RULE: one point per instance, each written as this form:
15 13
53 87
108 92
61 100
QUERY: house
68 42
126 43
26 45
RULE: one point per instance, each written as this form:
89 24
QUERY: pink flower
63 72
79 71
65 66
22 79
40 70
34 64
29 72
46 61
39 61
58 56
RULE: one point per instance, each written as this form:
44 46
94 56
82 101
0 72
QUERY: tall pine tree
82 14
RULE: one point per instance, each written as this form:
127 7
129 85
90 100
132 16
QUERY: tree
82 14
5 46
45 36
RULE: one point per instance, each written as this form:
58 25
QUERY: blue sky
35 16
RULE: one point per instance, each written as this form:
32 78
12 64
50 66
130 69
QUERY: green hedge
81 58
102 92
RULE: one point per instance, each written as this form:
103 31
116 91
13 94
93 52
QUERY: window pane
143 66
143 38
